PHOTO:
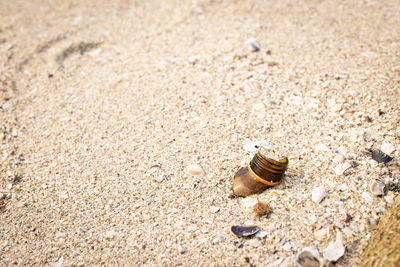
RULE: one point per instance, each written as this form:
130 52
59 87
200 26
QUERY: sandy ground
104 105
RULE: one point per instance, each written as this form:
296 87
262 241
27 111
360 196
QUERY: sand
104 105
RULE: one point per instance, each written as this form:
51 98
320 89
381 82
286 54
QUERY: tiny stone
309 257
194 170
252 47
262 209
238 244
387 148
159 178
214 209
287 246
341 168
354 164
318 194
389 200
342 187
261 234
6 105
181 249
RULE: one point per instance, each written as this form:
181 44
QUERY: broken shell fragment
335 250
379 156
377 188
309 257
262 209
260 174
244 231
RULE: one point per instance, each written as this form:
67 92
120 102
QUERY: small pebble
341 168
252 47
181 249
262 209
214 209
238 244
387 148
318 194
261 234
287 247
6 105
335 250
389 200
342 187
194 170
309 257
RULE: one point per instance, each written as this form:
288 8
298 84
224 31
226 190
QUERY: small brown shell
262 209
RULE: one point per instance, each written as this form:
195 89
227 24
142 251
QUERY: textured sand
105 104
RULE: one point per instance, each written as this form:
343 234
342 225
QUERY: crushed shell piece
244 231
262 209
377 188
379 156
335 250
309 257
318 194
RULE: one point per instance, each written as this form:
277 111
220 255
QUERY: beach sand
106 104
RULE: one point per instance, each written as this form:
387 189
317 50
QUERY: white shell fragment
387 148
341 168
309 256
389 200
261 234
318 194
214 209
251 46
377 188
194 170
367 198
335 250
